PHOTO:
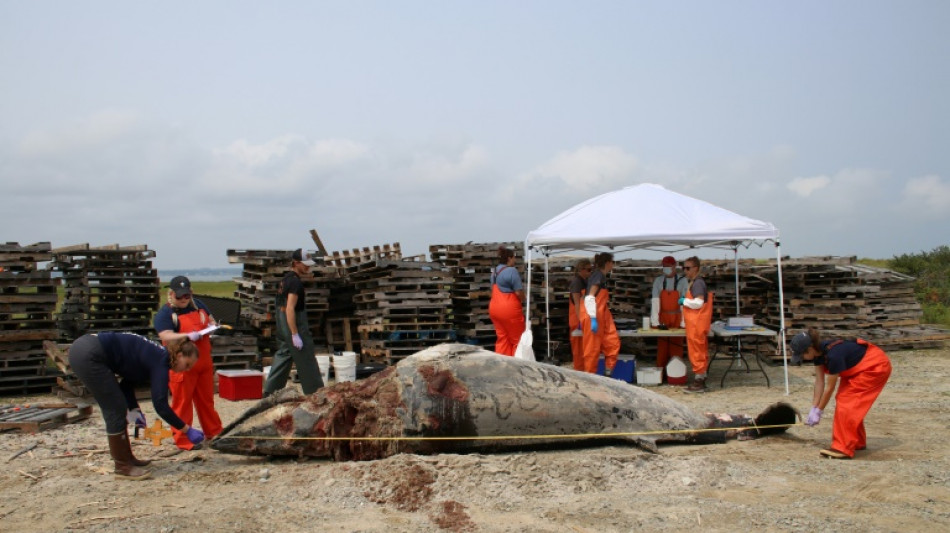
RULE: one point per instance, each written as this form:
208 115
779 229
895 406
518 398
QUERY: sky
199 127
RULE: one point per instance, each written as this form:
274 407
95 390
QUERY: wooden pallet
40 417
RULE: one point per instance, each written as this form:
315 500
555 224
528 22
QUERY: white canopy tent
650 217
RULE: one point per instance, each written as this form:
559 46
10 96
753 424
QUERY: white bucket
646 322
323 361
344 366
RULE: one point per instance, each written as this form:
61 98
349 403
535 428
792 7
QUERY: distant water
202 274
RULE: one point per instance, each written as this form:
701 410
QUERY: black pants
88 361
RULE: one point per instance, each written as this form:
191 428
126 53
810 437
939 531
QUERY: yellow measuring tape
510 437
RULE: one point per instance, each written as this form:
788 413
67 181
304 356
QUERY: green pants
286 356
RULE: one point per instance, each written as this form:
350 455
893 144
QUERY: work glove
814 416
193 336
136 418
593 324
577 333
297 341
681 300
683 324
196 436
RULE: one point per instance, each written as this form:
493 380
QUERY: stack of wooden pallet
27 303
470 266
257 290
560 272
106 288
403 306
233 352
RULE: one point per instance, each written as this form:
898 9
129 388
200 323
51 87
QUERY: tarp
648 216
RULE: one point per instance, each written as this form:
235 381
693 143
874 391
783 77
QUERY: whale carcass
459 398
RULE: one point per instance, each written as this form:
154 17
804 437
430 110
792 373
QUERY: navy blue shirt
163 318
136 360
842 356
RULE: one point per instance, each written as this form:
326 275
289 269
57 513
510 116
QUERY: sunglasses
185 297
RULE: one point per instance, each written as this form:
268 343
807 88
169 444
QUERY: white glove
193 336
590 304
693 303
655 312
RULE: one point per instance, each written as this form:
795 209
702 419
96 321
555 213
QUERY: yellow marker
157 433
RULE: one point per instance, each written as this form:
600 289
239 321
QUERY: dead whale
457 398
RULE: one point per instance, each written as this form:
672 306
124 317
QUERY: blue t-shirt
842 356
137 360
163 318
506 278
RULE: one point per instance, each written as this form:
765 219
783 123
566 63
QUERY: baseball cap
669 261
181 285
799 344
300 255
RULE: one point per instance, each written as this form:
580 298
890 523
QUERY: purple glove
814 416
195 435
593 325
194 336
136 417
298 342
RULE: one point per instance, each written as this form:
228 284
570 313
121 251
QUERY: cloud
926 196
806 186
91 132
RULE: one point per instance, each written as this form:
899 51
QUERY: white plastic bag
524 349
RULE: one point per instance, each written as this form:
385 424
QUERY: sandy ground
900 483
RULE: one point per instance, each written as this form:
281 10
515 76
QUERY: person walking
111 365
697 315
505 309
294 341
182 317
576 291
858 369
665 312
600 331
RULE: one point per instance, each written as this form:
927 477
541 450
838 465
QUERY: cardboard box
649 375
240 384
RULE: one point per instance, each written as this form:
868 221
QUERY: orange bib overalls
196 386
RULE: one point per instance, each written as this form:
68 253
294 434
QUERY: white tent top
648 216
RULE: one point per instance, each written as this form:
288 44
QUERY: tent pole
781 311
735 255
527 293
547 307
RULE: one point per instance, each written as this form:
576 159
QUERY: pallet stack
257 290
106 288
27 303
403 307
559 276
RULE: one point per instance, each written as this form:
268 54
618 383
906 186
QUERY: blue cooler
625 370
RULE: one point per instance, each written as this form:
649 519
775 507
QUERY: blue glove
196 436
194 336
814 416
136 417
681 300
298 342
593 325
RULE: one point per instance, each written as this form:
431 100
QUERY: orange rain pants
196 386
577 343
605 340
858 387
506 314
698 322
670 317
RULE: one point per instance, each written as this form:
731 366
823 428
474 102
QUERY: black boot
121 450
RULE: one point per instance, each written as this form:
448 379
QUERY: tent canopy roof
648 216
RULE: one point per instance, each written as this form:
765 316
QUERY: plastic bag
524 349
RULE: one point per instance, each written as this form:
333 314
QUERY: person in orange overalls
600 332
697 316
183 317
505 309
665 312
576 291
859 370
